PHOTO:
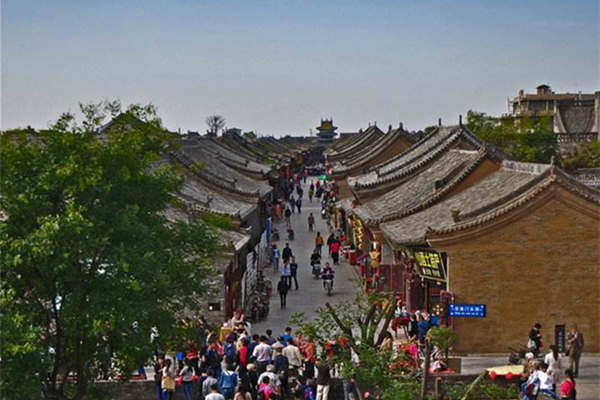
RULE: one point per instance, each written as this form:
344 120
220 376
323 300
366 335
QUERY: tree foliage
88 257
215 124
582 155
522 138
360 327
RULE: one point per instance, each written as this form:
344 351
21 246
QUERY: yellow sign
429 264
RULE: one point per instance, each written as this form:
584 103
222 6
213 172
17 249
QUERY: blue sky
278 67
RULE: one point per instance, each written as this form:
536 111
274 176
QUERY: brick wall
541 266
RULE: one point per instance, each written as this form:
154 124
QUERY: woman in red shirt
567 389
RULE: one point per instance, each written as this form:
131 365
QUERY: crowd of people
246 366
542 374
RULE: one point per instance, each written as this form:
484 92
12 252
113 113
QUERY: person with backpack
230 350
228 381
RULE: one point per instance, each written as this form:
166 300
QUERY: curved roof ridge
438 195
369 132
373 150
409 150
406 168
212 178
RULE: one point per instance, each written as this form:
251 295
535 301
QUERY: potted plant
444 339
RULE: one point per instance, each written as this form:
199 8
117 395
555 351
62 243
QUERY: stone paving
310 294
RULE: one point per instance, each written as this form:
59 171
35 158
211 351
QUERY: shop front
424 280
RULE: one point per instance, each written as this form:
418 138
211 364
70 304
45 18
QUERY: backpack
230 352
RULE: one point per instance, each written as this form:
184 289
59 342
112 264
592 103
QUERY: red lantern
493 375
509 376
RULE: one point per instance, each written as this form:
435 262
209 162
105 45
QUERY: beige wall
541 265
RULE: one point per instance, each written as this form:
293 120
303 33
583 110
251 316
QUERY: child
546 380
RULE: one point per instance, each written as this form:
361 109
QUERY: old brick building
575 116
524 241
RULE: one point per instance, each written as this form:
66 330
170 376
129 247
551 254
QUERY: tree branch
337 320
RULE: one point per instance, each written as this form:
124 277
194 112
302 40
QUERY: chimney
390 128
460 120
521 93
401 126
439 122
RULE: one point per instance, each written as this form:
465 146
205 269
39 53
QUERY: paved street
311 293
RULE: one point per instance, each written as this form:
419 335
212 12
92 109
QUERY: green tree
582 155
88 256
360 325
524 138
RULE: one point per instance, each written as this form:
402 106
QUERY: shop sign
559 338
467 310
429 264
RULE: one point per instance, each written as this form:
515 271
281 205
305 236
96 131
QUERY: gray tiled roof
509 187
577 119
228 156
422 152
430 147
426 185
370 134
194 191
371 150
217 172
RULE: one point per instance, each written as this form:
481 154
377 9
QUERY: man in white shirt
546 380
214 393
262 353
292 353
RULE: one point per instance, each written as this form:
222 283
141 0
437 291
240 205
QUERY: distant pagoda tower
326 131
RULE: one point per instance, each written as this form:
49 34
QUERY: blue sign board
467 310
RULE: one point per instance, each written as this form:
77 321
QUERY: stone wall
541 265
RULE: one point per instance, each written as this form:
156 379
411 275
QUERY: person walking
286 274
310 357
294 357
282 366
282 288
287 214
299 205
209 381
574 350
292 203
323 379
319 242
568 387
167 380
214 393
311 222
275 257
535 339
553 360
294 272
228 381
160 363
335 251
187 375
287 253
